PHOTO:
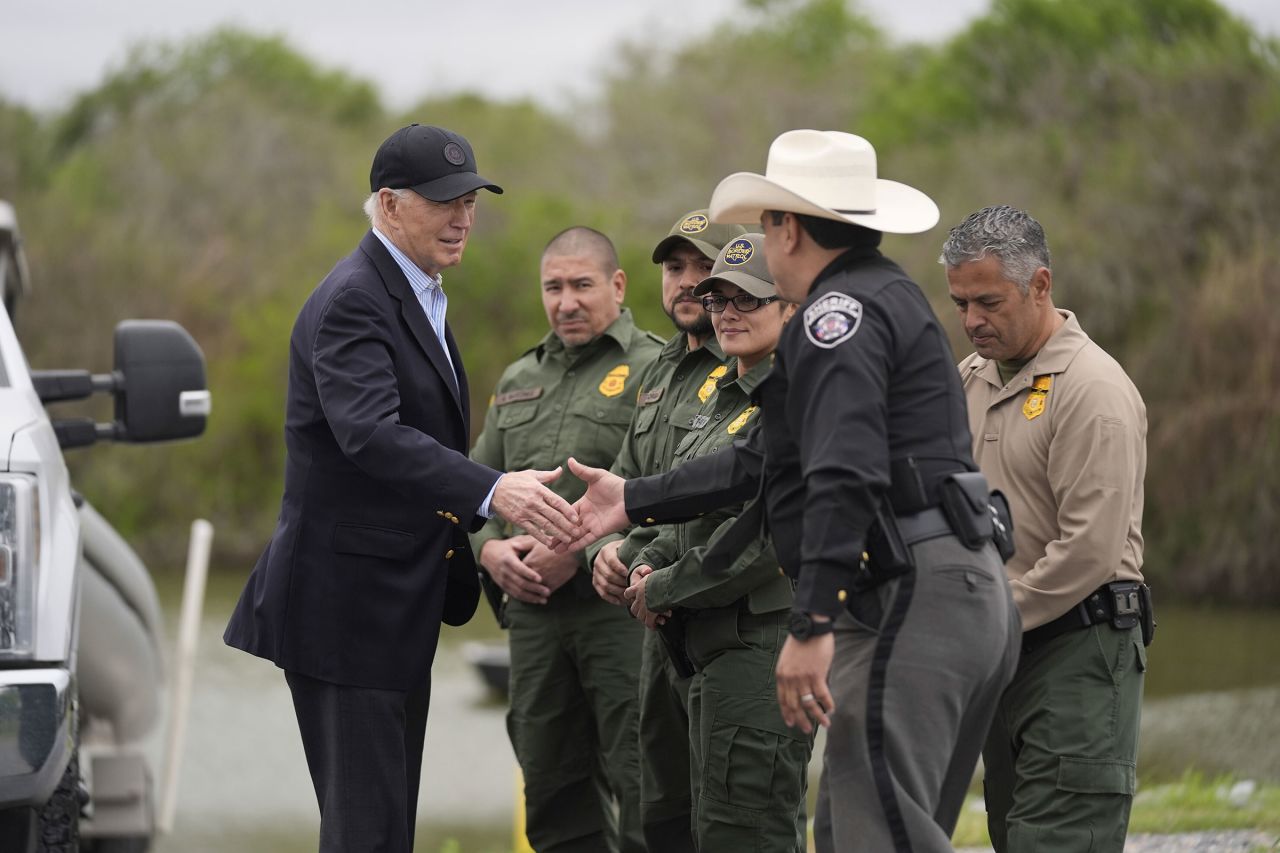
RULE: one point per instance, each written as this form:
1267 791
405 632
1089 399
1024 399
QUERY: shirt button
718 417
599 413
679 377
570 373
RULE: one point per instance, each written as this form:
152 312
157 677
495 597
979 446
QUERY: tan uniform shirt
1065 441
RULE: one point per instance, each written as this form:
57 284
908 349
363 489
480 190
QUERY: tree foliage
216 181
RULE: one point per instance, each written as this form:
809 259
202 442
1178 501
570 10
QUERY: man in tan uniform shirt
1059 428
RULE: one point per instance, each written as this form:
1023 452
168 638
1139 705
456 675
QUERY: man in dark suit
370 553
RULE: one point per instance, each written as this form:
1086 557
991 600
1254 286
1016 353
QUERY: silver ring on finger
806 697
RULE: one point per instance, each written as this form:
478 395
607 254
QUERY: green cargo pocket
752 759
1097 776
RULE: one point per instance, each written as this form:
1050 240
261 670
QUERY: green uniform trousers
572 722
665 801
749 770
1061 758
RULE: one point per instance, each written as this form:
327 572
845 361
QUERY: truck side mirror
163 394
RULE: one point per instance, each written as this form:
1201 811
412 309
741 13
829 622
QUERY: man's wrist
804 626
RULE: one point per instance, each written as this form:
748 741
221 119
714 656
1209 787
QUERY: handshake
530 567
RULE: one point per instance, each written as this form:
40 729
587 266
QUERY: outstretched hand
521 498
599 512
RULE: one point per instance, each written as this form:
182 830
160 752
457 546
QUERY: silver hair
371 209
1009 234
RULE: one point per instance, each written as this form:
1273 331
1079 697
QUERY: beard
699 327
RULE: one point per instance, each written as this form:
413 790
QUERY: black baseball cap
437 164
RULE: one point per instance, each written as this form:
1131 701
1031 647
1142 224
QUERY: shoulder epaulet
651 336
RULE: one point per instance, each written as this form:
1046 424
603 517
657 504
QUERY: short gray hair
1009 234
371 204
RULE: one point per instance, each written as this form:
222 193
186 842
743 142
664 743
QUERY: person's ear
619 282
1041 285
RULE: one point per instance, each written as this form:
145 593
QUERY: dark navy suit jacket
370 551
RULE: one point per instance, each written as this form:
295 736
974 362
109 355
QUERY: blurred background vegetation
215 181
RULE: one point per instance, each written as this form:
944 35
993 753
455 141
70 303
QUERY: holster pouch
965 501
671 632
1002 525
1148 615
1126 604
887 553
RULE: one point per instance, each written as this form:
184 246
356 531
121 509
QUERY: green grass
1193 803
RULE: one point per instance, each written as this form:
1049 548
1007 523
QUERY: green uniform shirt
671 393
555 402
677 550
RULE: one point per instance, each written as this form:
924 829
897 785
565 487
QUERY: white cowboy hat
824 173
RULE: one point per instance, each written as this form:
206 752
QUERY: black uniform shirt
863 375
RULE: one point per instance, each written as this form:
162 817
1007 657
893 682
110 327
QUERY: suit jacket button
648 521
448 554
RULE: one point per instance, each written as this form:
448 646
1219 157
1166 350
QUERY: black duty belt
1124 604
924 525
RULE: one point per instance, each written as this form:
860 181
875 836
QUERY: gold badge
709 387
1034 405
741 420
615 380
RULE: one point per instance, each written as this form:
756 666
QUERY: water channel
1212 703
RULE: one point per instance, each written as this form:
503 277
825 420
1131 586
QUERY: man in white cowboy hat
903 629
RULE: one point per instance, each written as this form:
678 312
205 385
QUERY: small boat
493 661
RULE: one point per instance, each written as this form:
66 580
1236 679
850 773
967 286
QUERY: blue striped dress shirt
430 293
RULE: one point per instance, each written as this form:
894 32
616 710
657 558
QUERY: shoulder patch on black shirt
832 320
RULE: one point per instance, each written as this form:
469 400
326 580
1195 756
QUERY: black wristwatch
803 626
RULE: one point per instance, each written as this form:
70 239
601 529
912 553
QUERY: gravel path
1216 841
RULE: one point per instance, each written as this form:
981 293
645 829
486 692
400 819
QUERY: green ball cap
697 229
741 262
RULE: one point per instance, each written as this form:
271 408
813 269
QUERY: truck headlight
19 536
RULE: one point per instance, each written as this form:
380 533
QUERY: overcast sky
51 50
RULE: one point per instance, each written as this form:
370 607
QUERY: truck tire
59 818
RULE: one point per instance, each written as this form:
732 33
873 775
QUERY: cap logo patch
738 252
832 320
454 154
695 224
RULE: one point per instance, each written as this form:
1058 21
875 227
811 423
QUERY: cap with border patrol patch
741 262
697 229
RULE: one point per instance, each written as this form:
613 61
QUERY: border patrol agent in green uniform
1059 428
574 658
749 770
671 392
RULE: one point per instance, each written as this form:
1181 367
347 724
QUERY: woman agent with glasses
727 622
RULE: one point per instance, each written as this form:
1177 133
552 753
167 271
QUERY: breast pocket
599 427
515 422
646 417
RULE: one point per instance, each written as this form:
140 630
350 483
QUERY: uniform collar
1054 357
678 347
753 377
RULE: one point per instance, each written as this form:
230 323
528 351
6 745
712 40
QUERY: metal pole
184 665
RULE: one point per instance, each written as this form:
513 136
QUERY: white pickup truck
81 669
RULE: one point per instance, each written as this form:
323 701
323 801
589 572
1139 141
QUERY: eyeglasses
744 302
